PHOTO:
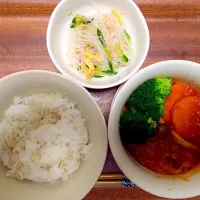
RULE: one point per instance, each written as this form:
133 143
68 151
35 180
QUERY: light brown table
175 34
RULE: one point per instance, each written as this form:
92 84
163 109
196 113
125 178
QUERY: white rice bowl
28 83
43 138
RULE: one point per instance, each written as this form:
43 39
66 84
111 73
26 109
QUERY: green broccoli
150 97
135 127
145 108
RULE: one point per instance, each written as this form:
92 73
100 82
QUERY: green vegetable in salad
120 53
79 19
97 76
127 36
99 72
110 65
101 38
124 58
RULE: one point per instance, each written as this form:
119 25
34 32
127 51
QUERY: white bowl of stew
163 160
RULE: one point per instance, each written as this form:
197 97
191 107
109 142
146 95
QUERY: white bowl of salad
99 44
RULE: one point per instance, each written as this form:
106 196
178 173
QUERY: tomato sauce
164 155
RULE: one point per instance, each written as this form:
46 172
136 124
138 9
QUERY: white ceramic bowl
79 184
57 37
144 178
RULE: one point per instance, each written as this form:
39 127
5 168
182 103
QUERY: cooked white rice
43 138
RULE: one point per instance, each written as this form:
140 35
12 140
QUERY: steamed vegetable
144 109
149 97
136 127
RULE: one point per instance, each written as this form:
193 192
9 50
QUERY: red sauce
162 154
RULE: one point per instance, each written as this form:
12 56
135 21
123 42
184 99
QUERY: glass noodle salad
99 45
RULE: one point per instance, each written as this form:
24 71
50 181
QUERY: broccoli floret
150 97
136 128
163 86
151 122
146 107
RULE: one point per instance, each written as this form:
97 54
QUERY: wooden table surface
174 27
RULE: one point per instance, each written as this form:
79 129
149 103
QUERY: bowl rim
86 92
88 85
111 135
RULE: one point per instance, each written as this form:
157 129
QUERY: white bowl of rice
53 137
99 44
